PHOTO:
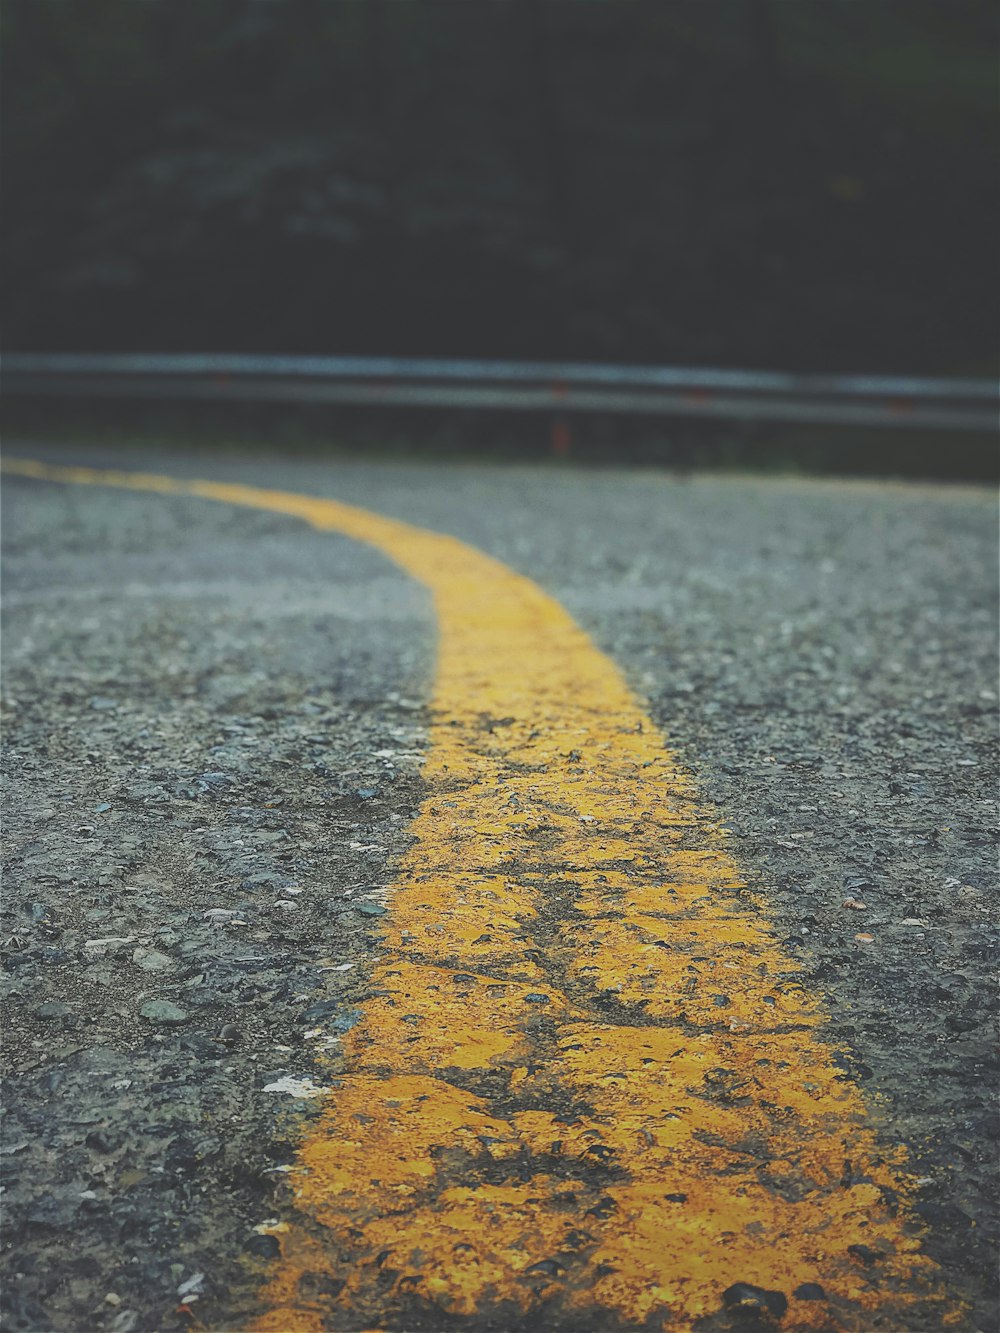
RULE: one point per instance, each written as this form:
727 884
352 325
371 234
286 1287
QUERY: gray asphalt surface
209 709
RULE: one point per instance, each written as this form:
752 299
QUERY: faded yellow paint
588 1077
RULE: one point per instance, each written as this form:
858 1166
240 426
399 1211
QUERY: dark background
784 183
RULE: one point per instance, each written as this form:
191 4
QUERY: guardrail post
561 439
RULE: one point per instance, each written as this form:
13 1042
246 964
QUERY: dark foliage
734 182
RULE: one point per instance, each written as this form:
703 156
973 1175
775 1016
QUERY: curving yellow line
589 1084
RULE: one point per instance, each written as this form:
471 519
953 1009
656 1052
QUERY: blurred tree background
792 183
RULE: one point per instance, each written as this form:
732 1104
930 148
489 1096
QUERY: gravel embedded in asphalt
213 737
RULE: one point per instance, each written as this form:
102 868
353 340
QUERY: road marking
588 1081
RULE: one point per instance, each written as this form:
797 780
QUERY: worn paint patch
589 1088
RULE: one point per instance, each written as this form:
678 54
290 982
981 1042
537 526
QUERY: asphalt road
218 715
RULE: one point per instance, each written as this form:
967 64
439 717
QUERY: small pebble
151 961
162 1011
550 1267
865 1254
263 1247
809 1291
749 1297
110 944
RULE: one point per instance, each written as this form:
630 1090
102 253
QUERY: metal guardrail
559 388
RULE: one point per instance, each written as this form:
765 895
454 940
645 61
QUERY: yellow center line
588 1083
